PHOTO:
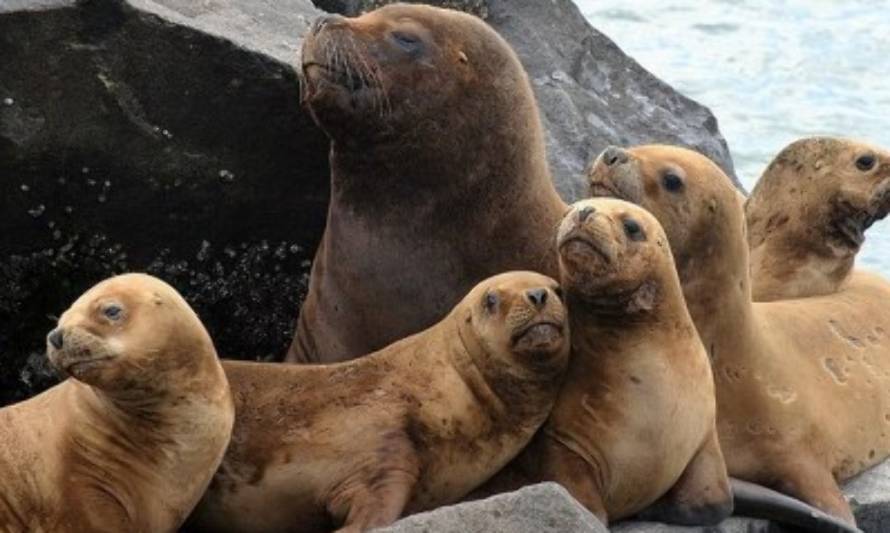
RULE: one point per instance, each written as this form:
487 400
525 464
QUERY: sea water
771 71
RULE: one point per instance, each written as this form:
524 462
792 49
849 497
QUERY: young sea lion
803 386
635 419
130 441
435 135
416 425
808 214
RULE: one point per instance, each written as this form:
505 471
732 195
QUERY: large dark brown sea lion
803 386
130 441
437 162
635 419
416 425
808 214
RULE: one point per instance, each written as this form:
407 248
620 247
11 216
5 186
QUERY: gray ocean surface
771 71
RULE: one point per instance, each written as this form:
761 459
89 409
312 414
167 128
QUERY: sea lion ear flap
462 57
156 299
644 299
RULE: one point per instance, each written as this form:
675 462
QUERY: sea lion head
694 201
129 334
613 254
403 68
519 316
840 187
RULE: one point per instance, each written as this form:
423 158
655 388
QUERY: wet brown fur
131 443
634 423
796 212
803 386
413 426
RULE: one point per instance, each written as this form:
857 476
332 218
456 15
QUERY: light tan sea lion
635 419
803 386
131 440
435 136
808 214
416 425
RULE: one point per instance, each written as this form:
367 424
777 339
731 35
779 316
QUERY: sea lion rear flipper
701 496
760 502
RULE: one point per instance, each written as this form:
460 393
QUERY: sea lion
435 136
803 386
635 419
416 425
131 440
808 214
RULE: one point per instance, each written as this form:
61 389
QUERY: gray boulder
544 508
167 136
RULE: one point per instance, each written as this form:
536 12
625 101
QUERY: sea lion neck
716 280
494 381
650 303
420 169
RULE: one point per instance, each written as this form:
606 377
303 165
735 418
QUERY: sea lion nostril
56 337
538 297
585 212
323 21
613 155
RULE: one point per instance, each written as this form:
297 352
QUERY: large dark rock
591 94
164 136
167 136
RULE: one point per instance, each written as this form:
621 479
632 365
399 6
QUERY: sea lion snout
586 236
615 173
539 322
76 352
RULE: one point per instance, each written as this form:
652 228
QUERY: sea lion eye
406 41
865 162
490 302
672 182
633 230
113 312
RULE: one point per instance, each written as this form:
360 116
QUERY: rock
536 509
591 94
167 136
164 136
548 507
869 495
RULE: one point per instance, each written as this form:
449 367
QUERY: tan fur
803 386
806 213
130 442
636 416
427 147
413 426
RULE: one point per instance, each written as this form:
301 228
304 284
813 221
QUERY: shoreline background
771 72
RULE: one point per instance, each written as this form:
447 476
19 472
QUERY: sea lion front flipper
560 464
702 495
378 495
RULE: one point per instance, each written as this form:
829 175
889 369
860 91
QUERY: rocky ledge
548 508
167 136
